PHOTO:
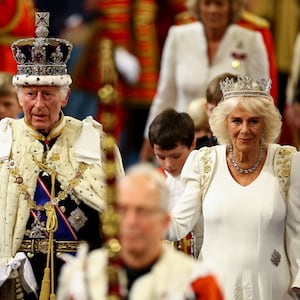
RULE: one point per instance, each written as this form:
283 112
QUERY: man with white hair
148 268
51 168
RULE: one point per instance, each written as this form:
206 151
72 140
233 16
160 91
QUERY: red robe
16 22
256 23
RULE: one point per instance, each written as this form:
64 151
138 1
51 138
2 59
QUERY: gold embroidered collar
55 131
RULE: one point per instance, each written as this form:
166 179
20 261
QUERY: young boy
9 104
171 135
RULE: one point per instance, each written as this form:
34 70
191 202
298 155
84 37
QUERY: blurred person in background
147 269
197 111
195 53
294 76
290 132
9 104
284 19
16 21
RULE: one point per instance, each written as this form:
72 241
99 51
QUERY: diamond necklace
241 170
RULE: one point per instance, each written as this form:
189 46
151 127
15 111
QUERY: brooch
237 58
77 219
275 257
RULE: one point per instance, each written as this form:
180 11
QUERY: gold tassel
51 226
45 289
19 289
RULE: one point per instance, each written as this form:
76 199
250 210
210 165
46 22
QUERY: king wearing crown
52 191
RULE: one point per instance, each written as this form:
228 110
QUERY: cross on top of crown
42 24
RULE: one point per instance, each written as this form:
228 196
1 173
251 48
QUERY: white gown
245 231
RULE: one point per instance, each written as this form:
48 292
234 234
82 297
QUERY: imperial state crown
42 60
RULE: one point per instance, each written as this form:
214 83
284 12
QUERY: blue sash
41 196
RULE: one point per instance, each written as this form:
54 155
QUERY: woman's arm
187 211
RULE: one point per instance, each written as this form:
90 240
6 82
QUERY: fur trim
57 80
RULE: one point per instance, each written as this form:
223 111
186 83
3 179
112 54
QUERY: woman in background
195 53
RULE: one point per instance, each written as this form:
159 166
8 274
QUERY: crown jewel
245 86
42 60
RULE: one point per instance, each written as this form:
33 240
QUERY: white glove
21 263
128 65
87 147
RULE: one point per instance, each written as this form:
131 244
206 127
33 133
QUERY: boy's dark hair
213 91
171 128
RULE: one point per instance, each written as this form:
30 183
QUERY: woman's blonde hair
261 106
236 9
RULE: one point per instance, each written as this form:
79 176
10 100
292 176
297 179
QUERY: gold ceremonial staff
108 96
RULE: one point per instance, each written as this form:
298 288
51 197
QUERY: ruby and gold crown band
245 86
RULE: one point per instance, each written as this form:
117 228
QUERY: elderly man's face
143 223
41 105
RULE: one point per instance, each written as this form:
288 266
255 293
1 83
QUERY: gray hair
262 106
151 172
64 90
236 9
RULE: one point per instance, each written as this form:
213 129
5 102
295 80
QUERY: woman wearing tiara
247 191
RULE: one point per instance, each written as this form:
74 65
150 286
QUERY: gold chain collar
68 190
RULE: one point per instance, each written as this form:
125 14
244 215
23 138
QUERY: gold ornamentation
19 180
109 143
207 164
114 245
63 209
283 167
55 157
236 64
33 246
62 195
108 96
